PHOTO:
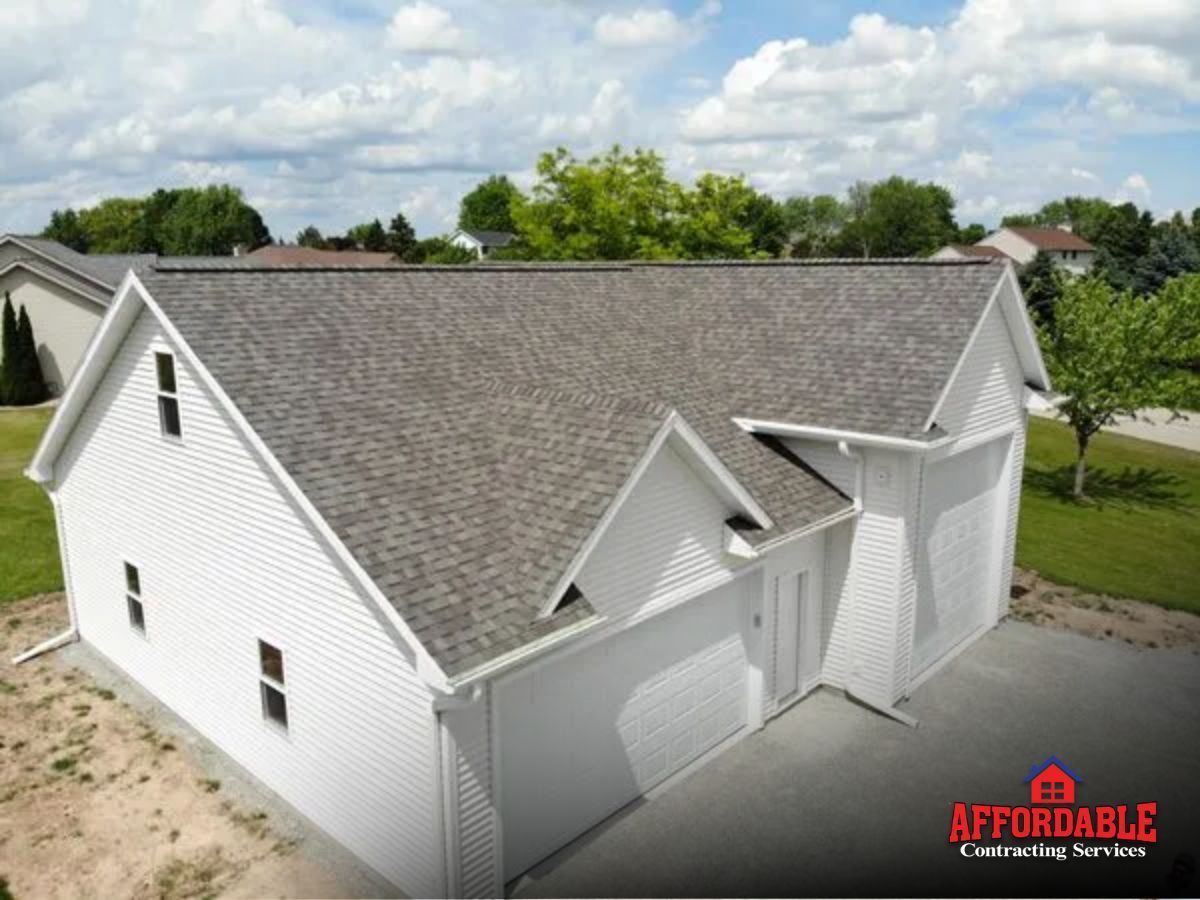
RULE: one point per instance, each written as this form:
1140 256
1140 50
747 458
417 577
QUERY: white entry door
797 636
584 735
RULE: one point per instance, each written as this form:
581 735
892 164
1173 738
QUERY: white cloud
652 27
424 28
1135 188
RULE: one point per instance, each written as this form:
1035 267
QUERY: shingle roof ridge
578 398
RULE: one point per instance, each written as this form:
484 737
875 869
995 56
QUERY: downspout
72 633
860 478
447 783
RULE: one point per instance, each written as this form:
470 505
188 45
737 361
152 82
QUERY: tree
369 236
712 219
1122 238
31 385
438 251
615 206
115 226
8 351
310 236
898 217
972 234
1040 283
813 224
210 221
66 228
1111 353
401 238
763 218
1084 214
1172 252
488 207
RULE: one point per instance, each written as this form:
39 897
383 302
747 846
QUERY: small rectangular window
271 684
133 599
168 399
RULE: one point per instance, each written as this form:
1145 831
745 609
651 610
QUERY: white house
461 560
1068 250
65 294
481 243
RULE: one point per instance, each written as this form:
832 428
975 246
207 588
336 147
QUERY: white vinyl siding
878 569
838 470
224 560
471 808
986 394
837 607
664 543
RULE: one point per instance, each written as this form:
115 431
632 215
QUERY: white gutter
72 632
816 433
859 472
890 711
502 664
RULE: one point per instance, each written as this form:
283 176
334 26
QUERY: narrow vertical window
272 685
168 397
133 599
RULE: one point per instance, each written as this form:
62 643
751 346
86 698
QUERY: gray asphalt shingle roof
491 238
463 429
107 268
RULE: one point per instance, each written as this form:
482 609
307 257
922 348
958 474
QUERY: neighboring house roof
293 255
106 269
463 430
1051 238
489 238
1047 763
979 250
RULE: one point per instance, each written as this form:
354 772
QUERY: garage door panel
960 550
641 705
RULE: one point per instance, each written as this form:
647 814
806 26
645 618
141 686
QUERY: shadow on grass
1129 487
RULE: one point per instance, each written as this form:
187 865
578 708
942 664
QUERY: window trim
164 396
266 682
133 597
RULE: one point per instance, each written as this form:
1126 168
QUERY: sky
333 113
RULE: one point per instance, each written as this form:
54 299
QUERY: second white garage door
582 736
960 556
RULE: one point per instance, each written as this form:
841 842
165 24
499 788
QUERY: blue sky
334 113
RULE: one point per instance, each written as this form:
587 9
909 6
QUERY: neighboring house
1052 782
1022 244
481 243
65 294
461 560
969 251
290 255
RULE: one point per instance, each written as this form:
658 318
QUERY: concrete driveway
832 799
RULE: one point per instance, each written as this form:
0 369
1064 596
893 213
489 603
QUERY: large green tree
898 217
208 221
66 228
1084 214
1122 238
488 207
713 220
814 225
1040 280
438 251
615 206
310 236
1112 352
1172 252
369 236
401 237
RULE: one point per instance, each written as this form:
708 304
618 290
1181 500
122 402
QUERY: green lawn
1138 535
28 544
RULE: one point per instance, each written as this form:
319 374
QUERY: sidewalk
1183 433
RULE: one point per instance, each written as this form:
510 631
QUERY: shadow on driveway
833 800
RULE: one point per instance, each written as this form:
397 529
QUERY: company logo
1052 814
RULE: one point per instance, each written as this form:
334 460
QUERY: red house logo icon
1052 782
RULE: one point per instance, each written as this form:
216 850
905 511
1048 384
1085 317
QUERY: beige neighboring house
65 293
1021 244
1066 248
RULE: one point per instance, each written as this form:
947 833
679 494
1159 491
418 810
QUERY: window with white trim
271 685
133 599
168 396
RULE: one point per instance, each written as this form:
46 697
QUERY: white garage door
583 736
960 555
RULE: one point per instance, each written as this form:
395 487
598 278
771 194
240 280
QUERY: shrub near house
21 381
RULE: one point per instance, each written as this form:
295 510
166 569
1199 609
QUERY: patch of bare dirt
95 801
1042 602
